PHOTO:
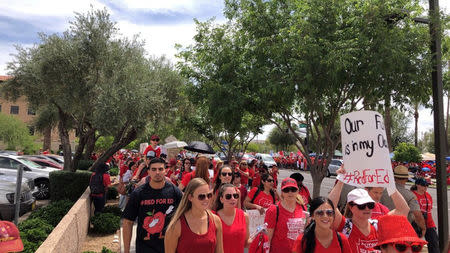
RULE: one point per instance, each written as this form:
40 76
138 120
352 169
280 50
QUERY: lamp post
439 131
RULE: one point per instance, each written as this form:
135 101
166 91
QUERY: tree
406 152
281 139
15 134
399 128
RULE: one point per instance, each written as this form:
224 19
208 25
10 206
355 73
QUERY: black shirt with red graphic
154 209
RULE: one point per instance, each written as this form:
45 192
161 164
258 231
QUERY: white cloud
167 5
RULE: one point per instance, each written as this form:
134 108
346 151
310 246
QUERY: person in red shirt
375 193
99 183
194 228
235 222
242 188
274 172
243 170
302 189
426 204
201 170
319 237
172 171
286 220
263 196
153 150
251 172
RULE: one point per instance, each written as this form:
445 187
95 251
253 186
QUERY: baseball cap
289 182
421 181
172 162
154 137
359 196
10 237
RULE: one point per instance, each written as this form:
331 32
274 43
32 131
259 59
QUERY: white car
265 159
40 174
335 164
7 192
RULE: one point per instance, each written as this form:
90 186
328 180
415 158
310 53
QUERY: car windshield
30 163
267 159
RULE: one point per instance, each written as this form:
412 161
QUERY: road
328 183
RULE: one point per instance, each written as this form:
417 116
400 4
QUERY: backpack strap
256 195
339 240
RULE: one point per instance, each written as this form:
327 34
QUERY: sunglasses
224 174
229 195
289 189
269 180
370 205
402 247
321 213
154 139
155 169
204 196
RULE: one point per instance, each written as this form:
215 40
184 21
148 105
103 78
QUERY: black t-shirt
154 209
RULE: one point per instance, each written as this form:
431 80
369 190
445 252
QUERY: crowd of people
201 205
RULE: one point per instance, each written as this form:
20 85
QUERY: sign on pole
365 150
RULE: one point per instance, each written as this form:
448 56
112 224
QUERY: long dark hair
223 187
308 243
218 181
264 178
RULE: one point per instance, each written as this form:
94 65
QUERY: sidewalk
133 238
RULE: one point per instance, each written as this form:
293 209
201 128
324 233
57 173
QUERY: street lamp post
439 131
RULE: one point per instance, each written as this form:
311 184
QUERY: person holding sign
286 220
357 226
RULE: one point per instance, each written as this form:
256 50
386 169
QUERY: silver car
7 192
265 159
335 164
40 174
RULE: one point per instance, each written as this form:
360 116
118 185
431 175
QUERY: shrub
53 213
68 185
113 209
84 164
114 171
105 223
35 235
106 250
29 247
35 223
112 193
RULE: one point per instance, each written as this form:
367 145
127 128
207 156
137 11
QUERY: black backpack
96 184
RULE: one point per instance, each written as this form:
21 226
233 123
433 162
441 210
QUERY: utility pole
439 130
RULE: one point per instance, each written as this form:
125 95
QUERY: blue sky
160 23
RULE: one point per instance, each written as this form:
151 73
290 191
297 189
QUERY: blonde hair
201 168
186 205
298 199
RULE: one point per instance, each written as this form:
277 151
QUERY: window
31 112
5 163
14 109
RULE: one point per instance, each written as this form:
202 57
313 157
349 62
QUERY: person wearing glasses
356 223
153 204
224 176
186 168
243 170
235 222
319 237
263 196
153 150
201 170
194 228
396 235
286 220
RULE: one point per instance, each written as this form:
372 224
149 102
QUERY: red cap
289 182
154 137
10 237
396 228
172 162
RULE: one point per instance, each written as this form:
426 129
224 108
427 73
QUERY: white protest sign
365 150
255 219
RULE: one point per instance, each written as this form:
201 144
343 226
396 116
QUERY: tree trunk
120 141
416 120
317 178
47 138
65 141
90 145
446 125
83 139
387 121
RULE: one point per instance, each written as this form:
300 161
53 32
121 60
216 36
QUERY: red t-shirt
244 179
187 178
262 199
287 229
244 194
149 148
275 178
379 210
304 192
106 183
234 235
123 169
256 180
423 200
170 173
359 243
333 247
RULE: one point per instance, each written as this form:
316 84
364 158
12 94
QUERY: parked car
247 157
40 174
51 158
7 193
44 162
265 159
335 164
57 158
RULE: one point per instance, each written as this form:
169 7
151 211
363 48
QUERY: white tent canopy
175 144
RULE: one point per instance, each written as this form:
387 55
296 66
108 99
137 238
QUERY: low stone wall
71 232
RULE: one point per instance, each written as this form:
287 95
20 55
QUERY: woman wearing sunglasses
194 228
357 224
396 235
224 176
319 237
234 221
286 220
263 196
